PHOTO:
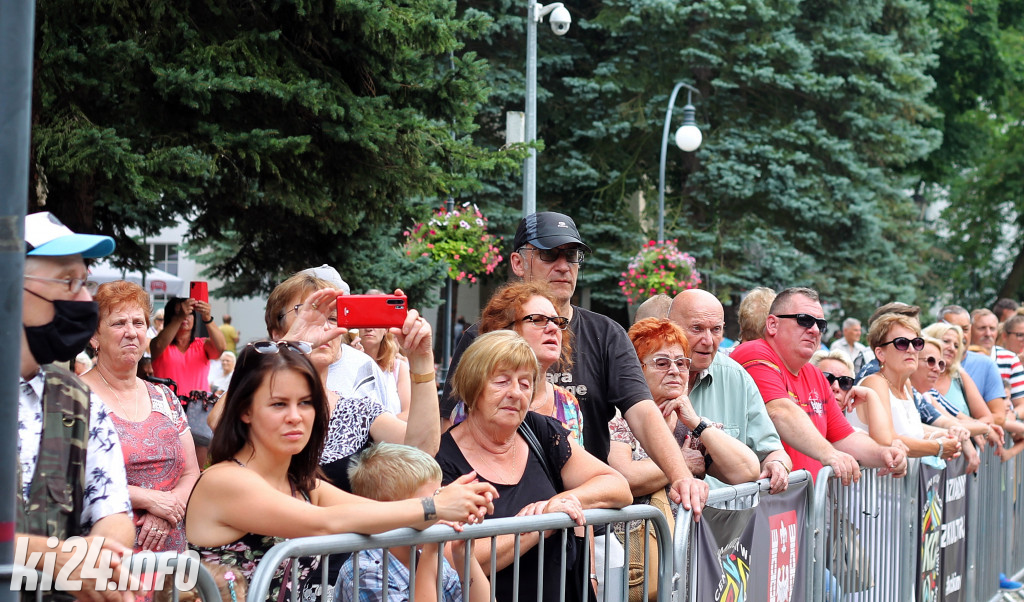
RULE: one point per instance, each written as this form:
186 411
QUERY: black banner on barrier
954 531
931 488
753 554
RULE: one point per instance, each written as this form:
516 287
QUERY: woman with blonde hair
383 347
896 340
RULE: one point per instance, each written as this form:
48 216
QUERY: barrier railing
323 546
736 497
865 536
140 564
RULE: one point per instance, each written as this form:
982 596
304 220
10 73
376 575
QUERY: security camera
560 20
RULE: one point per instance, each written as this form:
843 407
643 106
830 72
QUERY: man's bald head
702 318
655 307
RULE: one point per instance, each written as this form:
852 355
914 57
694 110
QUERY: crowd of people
548 407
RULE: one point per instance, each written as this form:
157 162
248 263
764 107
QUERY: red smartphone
199 291
372 311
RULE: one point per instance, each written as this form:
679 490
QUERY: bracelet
426 377
429 512
593 576
940 450
782 464
208 321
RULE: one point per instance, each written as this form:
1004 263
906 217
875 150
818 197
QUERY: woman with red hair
664 356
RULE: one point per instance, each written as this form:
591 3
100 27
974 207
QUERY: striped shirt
1010 369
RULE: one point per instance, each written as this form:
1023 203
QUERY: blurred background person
159 454
83 363
227 367
850 344
231 334
178 354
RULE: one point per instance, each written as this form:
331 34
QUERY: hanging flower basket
659 268
458 239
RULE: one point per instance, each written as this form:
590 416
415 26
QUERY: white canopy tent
158 282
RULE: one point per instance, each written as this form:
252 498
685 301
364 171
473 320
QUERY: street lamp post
560 20
688 138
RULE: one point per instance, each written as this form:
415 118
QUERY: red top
189 370
809 389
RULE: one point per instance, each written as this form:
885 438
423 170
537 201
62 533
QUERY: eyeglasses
807 320
333 318
845 382
903 343
932 361
75 285
663 363
1019 335
574 255
541 321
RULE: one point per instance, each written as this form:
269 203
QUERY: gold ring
314 306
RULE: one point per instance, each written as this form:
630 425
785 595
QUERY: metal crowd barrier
865 536
994 525
322 546
735 497
140 564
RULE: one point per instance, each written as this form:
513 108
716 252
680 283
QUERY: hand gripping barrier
736 497
140 564
259 585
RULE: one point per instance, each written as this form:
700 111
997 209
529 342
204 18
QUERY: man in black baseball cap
605 372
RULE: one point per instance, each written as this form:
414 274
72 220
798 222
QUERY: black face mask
73 324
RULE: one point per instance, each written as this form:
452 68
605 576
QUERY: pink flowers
458 239
659 268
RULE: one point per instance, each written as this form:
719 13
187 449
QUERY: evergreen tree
810 111
288 134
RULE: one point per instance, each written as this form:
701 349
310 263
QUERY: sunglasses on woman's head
903 343
932 361
806 320
845 382
540 321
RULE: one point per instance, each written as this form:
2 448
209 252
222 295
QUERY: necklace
893 387
118 398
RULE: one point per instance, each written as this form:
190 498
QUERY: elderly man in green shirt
722 391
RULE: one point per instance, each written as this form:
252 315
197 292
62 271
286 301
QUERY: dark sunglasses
845 382
903 343
552 255
806 320
274 347
932 361
540 321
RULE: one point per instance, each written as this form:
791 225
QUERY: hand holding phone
372 311
199 290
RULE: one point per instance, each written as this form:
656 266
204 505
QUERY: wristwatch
696 432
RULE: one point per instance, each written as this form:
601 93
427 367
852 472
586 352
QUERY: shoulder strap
535 448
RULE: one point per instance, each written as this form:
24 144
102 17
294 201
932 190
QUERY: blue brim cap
46 236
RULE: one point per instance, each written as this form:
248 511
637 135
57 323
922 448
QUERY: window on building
165 257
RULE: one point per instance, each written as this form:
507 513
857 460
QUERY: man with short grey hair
655 307
850 344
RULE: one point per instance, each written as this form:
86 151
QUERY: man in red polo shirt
799 399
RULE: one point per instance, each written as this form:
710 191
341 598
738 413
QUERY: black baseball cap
547 230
